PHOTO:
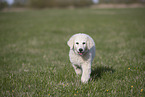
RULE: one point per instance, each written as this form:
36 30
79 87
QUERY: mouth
80 53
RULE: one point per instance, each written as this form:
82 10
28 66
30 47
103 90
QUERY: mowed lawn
34 53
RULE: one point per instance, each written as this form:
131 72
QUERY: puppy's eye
77 43
84 43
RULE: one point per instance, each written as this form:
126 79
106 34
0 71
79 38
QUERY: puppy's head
80 43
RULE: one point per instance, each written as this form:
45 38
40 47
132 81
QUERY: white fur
82 61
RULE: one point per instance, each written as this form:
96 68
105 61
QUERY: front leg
86 73
78 69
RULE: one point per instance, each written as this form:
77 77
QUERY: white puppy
81 54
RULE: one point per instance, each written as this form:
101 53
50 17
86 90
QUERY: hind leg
78 70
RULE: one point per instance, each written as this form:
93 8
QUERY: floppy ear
70 42
90 43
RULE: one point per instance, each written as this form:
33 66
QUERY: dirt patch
14 9
93 6
118 6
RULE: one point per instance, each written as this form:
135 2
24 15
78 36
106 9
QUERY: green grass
34 53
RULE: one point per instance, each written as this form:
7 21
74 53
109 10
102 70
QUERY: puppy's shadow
100 70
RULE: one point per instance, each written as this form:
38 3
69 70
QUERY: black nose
80 49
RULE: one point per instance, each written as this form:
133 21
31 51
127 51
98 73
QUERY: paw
84 79
78 71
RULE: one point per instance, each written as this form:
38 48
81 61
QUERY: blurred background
62 3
